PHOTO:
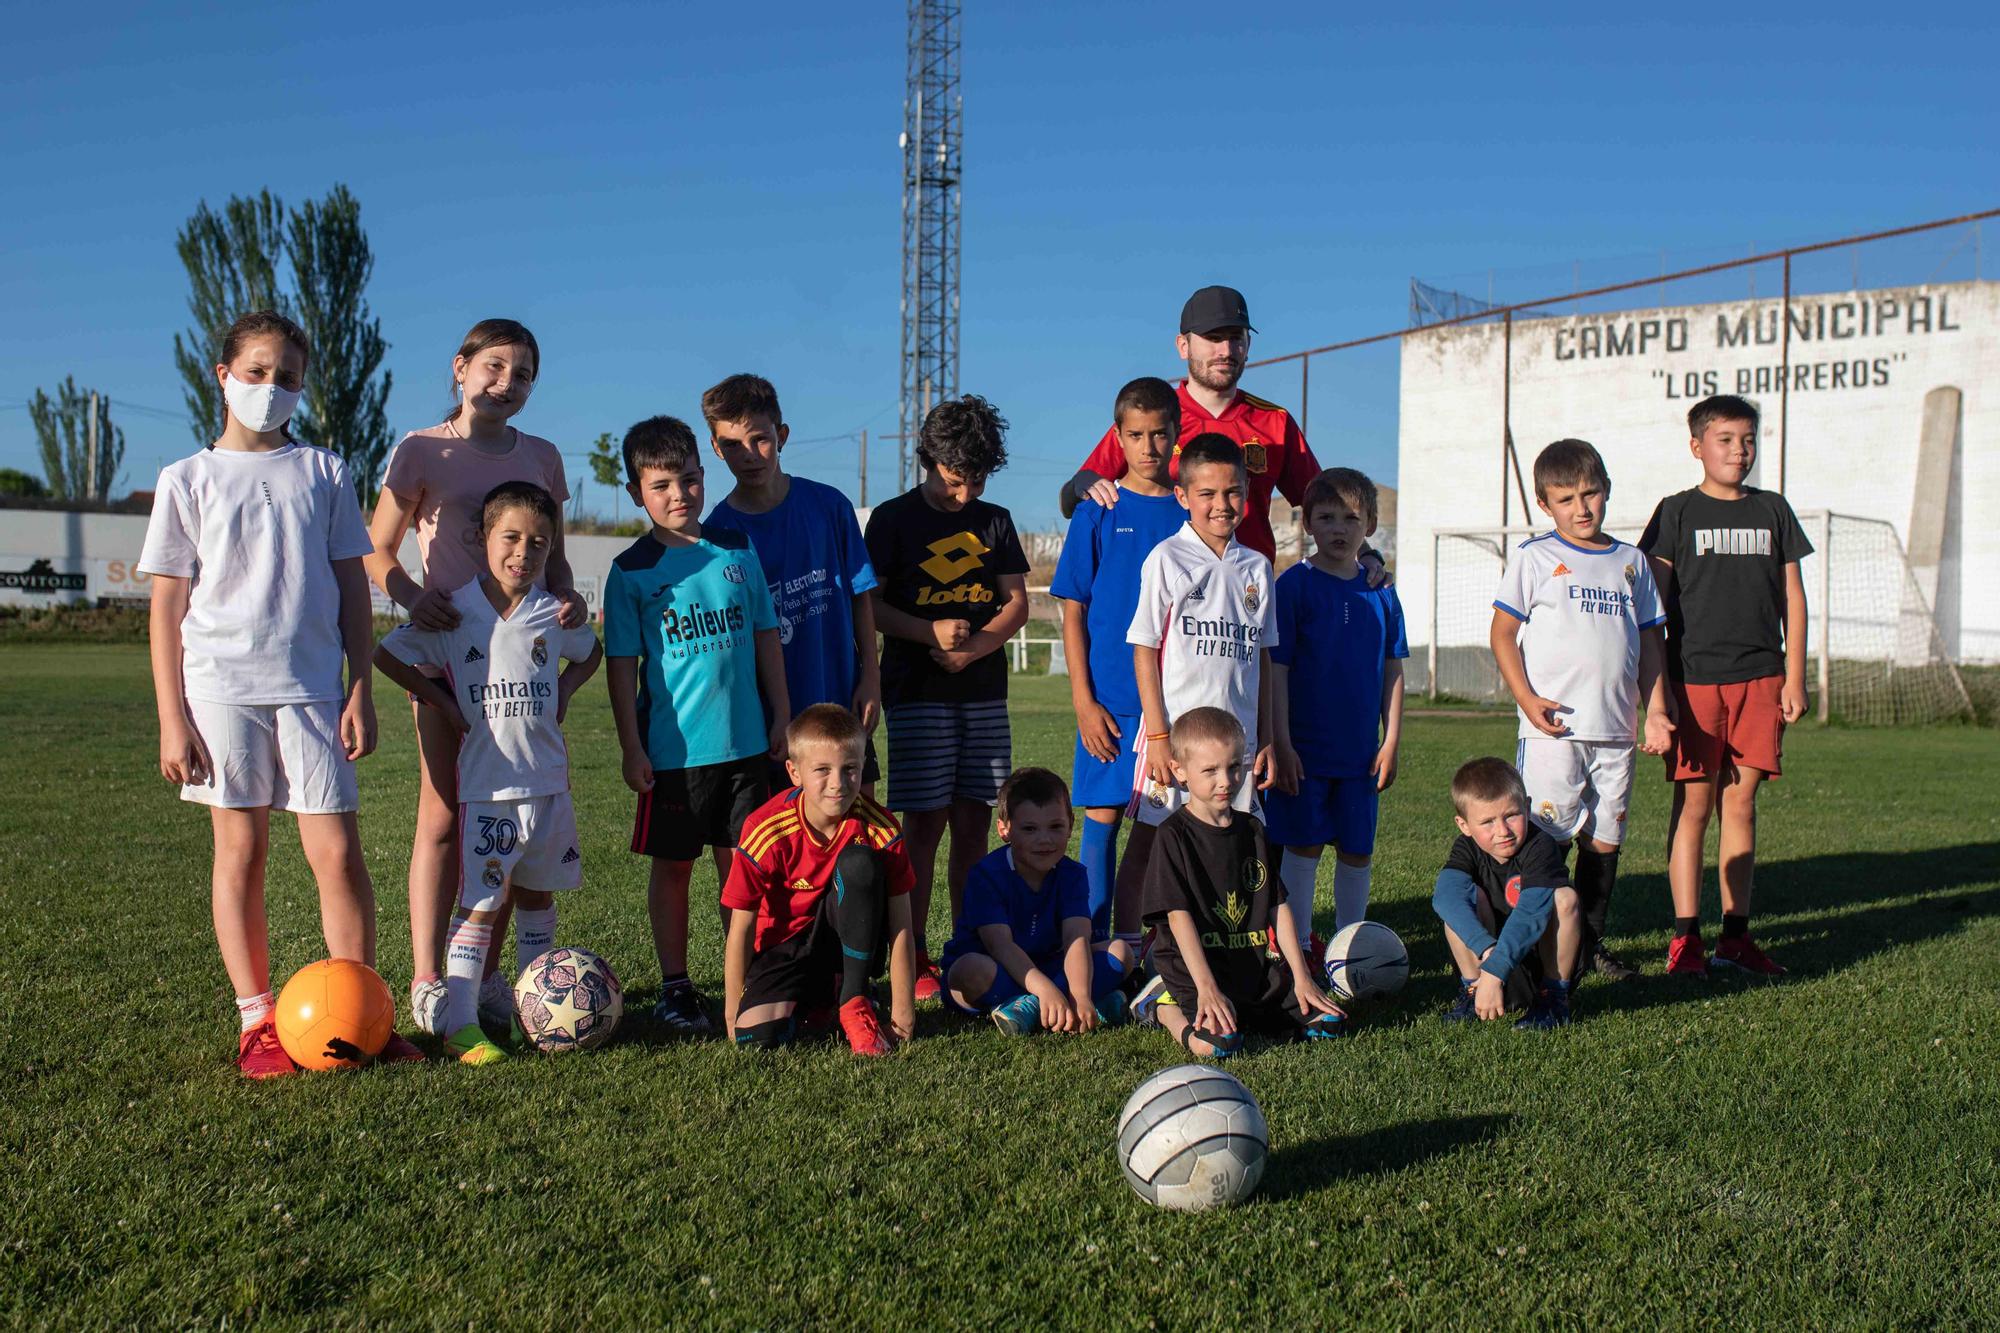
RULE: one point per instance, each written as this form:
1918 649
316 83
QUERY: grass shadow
1306 1168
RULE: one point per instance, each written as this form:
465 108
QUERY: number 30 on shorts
497 836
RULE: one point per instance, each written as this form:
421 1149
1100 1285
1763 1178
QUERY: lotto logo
963 593
954 556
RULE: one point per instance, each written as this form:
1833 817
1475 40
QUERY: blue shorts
1096 783
1106 974
1338 812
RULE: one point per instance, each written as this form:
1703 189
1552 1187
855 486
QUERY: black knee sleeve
1596 875
860 914
767 1036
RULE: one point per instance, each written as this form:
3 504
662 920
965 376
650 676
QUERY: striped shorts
939 753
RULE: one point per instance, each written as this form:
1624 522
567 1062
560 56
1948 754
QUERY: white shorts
528 843
286 756
1151 802
1572 784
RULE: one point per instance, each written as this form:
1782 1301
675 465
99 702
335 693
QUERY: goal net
1875 655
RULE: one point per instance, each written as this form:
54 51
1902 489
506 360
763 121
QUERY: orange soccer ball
335 1014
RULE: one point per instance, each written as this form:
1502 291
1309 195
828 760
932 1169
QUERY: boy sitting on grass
1025 950
1219 913
1504 865
819 896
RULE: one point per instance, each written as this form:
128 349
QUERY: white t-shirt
257 534
503 674
1583 610
1211 617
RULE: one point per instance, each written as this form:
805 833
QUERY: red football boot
259 1053
930 981
1743 955
1686 959
863 1027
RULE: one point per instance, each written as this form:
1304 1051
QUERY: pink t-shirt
445 480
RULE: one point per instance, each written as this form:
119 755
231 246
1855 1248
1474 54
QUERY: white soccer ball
1192 1137
1365 961
568 1000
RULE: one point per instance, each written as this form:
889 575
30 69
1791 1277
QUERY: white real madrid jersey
1211 616
503 674
1582 610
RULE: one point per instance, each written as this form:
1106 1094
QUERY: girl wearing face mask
255 550
436 481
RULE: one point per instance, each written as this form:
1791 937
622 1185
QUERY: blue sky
669 193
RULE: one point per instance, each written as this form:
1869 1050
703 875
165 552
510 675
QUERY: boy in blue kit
806 536
953 589
1097 580
1337 688
1024 950
690 636
1504 865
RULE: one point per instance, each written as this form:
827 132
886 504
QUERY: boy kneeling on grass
1025 949
1504 865
818 893
1225 945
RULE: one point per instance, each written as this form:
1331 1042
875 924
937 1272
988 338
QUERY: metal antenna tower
933 142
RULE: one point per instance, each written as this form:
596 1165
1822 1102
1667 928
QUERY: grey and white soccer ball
1365 961
1192 1137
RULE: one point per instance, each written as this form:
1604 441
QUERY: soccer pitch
1816 1152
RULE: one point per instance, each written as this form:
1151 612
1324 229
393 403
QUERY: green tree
232 260
13 481
345 408
607 462
62 425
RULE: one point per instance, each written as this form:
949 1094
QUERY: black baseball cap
1215 308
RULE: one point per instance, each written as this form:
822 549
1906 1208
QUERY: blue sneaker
1019 1016
1114 1009
1325 1027
1460 1010
1549 1011
1144 1008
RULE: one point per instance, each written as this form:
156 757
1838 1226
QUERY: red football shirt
1275 455
781 868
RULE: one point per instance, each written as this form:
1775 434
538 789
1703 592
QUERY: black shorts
692 808
804 968
871 768
1525 981
1265 1004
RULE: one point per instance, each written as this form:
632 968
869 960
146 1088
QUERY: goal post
1876 656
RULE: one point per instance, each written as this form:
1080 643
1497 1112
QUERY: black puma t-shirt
1726 599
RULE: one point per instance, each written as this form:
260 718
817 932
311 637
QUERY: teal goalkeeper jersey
690 614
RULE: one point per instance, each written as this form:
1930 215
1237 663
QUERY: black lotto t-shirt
1538 863
1222 878
939 566
1726 600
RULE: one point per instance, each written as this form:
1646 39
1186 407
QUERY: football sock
1350 893
1735 925
254 1009
1099 854
1299 876
464 963
1687 925
859 912
1596 873
766 1036
534 935
674 981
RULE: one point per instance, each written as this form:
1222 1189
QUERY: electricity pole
932 143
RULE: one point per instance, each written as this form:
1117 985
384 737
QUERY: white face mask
260 407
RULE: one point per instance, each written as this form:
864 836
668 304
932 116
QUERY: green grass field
1812 1153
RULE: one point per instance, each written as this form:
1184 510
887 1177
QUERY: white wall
1850 449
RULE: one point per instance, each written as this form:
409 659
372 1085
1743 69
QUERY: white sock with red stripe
254 1009
464 963
534 935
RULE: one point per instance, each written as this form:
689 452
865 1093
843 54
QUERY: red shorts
1721 727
